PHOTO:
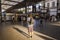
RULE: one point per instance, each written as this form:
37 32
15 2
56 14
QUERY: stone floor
9 31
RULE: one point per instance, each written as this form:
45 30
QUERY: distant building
51 5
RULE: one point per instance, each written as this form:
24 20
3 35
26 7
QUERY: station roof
10 5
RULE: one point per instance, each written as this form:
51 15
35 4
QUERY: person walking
30 25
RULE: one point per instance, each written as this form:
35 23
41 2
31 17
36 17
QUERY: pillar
0 13
57 4
26 7
34 8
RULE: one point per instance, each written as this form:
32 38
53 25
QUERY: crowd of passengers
40 17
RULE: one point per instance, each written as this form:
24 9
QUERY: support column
26 7
15 18
0 13
34 8
57 6
5 17
44 3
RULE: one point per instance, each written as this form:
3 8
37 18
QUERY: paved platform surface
18 32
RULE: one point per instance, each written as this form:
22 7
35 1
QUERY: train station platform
18 32
18 10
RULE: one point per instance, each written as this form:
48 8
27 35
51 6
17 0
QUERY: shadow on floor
25 34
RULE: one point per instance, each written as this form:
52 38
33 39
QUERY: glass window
48 4
53 4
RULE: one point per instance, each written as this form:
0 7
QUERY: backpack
29 20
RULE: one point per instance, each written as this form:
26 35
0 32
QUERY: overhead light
20 0
17 0
7 0
3 10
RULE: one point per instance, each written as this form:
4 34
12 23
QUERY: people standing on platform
13 19
30 25
57 17
22 20
41 18
37 20
53 18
